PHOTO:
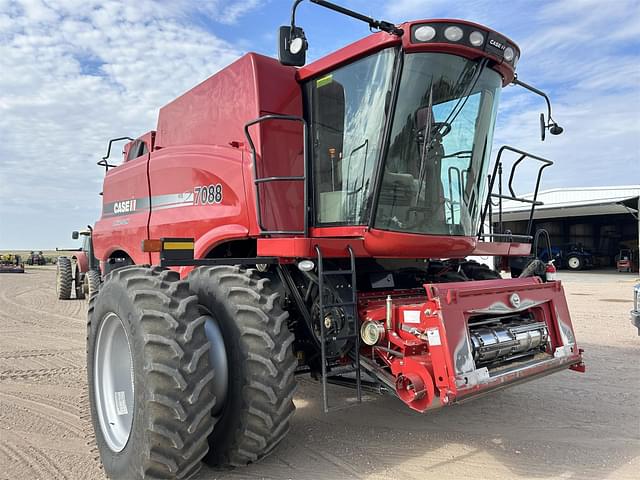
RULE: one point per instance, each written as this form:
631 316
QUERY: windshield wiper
426 143
476 71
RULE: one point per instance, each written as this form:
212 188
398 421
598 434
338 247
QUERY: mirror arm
551 124
293 14
373 23
533 89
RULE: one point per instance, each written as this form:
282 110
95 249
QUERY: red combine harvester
314 220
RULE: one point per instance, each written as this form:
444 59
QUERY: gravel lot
568 425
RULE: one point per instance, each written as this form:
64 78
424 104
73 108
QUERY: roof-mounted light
424 33
453 33
476 38
509 54
466 35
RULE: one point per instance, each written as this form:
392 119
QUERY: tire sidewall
128 462
228 421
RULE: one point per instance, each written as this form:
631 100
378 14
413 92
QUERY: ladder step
341 304
352 324
350 336
337 272
342 371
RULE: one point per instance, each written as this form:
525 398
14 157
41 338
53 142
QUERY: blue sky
75 73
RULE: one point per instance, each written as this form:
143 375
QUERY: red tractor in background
80 272
313 220
36 258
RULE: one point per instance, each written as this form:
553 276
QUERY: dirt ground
565 426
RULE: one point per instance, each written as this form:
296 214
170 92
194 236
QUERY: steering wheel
443 129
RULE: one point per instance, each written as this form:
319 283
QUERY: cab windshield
434 173
434 169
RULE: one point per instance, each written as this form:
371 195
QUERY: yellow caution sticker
326 80
178 245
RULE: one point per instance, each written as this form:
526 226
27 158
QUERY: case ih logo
497 44
126 206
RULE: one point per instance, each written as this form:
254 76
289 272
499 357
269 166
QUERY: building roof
574 202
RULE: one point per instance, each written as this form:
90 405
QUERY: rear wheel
149 375
64 278
259 398
574 262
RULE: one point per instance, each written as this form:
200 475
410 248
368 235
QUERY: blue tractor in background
569 256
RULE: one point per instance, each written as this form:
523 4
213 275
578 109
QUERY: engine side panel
198 191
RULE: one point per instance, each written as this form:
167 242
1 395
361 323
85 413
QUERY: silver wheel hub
574 262
113 382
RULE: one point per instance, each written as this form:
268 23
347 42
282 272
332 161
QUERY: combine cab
10 263
314 219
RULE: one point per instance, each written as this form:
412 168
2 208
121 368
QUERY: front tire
64 278
574 262
259 399
149 376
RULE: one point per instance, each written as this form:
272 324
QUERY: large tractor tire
149 376
64 278
258 403
78 281
91 282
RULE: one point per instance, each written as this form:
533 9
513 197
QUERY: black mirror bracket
551 124
292 43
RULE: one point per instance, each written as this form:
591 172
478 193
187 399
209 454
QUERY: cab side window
138 149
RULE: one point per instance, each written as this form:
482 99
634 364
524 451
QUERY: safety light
306 265
453 33
424 33
476 39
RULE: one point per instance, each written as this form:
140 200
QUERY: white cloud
75 74
586 55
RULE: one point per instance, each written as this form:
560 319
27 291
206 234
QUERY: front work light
306 265
509 54
424 33
476 39
453 33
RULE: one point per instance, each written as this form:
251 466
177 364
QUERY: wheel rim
113 382
574 262
219 363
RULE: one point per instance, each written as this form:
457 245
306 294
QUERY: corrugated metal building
600 219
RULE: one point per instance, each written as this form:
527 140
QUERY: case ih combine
313 220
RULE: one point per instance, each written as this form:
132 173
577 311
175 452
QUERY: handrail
104 163
258 181
497 171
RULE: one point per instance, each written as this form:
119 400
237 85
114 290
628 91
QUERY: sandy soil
568 425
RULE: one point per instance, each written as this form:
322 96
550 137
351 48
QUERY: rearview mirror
75 235
292 46
543 127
